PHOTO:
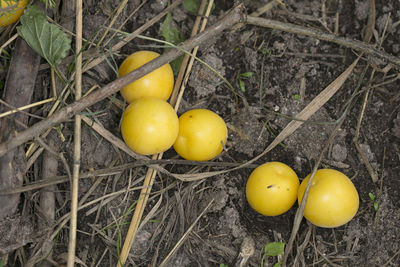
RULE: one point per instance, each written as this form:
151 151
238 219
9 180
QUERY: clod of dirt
220 199
384 21
396 126
180 259
203 80
91 22
339 152
141 243
231 220
366 150
362 9
249 135
310 138
252 58
15 232
159 5
179 15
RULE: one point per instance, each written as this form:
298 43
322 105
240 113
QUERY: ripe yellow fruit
332 200
158 83
201 134
10 11
149 126
271 189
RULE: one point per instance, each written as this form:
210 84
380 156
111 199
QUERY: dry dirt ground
289 70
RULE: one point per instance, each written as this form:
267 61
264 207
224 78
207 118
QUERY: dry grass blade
26 107
77 139
371 22
188 231
152 212
347 42
137 215
9 41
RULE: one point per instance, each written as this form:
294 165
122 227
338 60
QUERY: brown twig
371 22
347 42
233 17
77 138
115 170
18 92
371 171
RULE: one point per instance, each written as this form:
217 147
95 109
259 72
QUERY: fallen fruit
202 135
158 83
332 200
149 126
271 189
10 11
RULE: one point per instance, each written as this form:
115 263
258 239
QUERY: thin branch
77 139
347 42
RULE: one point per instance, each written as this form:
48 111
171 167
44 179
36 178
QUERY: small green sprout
374 202
242 77
49 3
296 97
265 51
6 54
273 249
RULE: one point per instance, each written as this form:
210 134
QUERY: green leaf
45 38
296 97
247 74
171 33
242 86
176 64
170 30
278 264
193 6
371 196
274 248
376 206
49 3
